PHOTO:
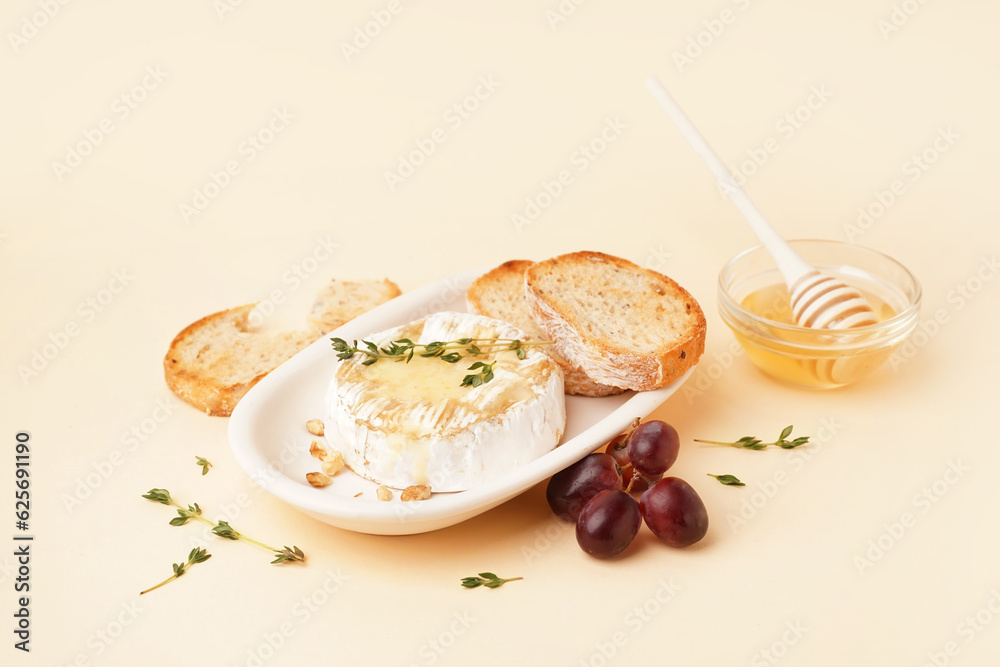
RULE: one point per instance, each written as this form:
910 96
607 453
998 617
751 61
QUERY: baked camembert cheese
411 423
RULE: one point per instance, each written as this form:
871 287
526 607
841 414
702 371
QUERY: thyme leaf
728 480
204 463
448 351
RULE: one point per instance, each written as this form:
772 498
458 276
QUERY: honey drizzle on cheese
415 402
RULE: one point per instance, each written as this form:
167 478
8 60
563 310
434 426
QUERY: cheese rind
402 424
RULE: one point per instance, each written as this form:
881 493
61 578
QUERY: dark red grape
608 523
618 449
653 447
674 512
570 489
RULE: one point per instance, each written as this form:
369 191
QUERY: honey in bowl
781 351
755 304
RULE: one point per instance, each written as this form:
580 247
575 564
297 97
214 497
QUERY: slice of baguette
622 324
499 294
343 300
215 361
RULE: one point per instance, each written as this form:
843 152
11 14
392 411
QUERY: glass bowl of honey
754 303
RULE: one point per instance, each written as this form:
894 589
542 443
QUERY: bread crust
341 301
195 383
604 360
496 278
214 362
508 279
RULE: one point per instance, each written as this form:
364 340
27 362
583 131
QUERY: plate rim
446 508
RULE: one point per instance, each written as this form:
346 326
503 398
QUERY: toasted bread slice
622 324
213 362
343 300
499 294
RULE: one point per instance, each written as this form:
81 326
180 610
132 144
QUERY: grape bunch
596 493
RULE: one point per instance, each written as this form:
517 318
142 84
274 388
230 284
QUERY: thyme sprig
220 528
749 442
452 352
487 579
485 374
197 555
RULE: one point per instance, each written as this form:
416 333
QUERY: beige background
100 270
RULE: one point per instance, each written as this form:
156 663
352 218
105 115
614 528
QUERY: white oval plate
268 436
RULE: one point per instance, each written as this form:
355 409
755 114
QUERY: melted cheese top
425 395
397 421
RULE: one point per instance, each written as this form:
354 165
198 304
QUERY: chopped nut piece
315 426
318 479
383 492
358 494
317 450
417 492
333 463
